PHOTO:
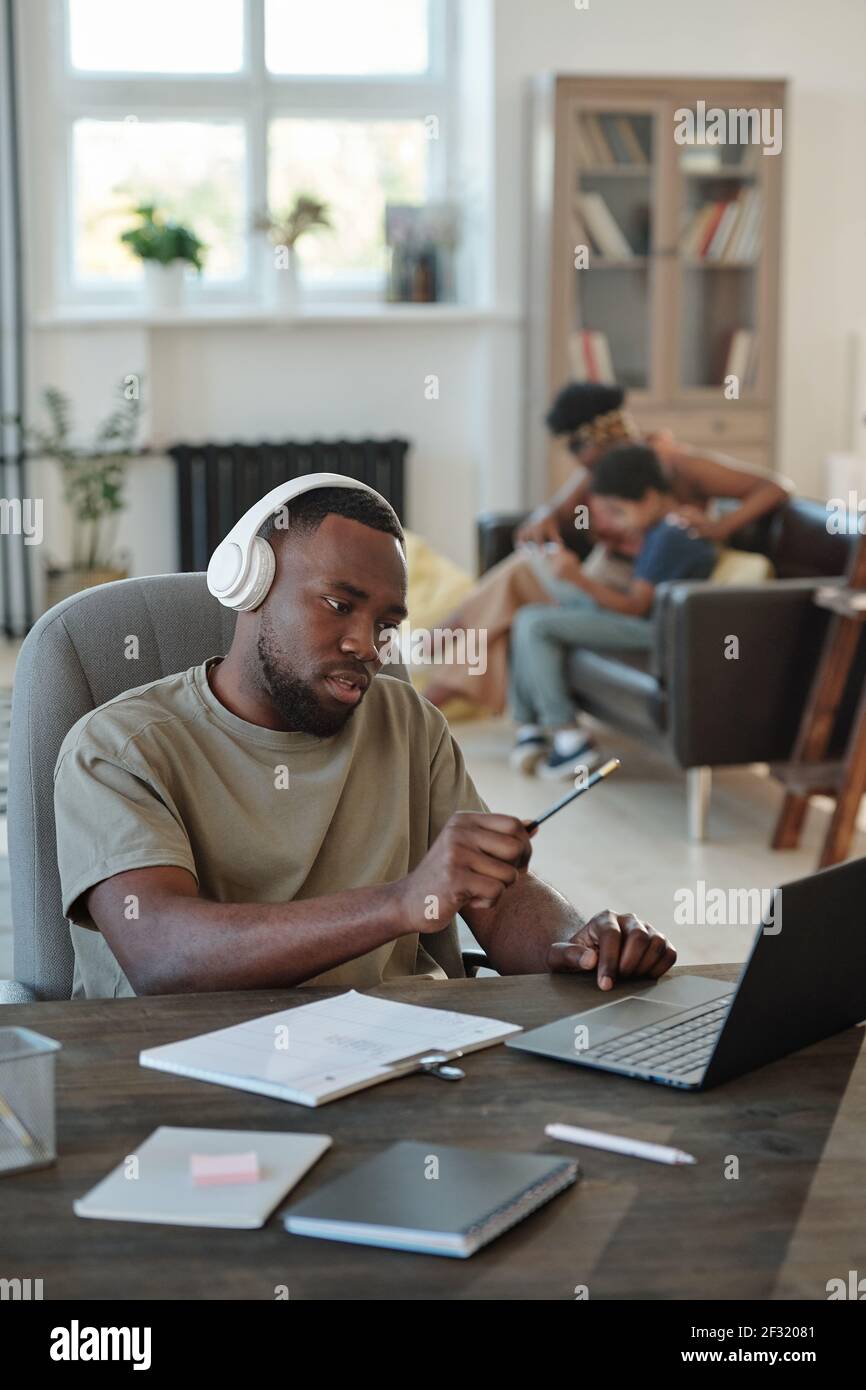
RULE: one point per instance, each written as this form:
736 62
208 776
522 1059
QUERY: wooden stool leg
850 793
789 826
816 726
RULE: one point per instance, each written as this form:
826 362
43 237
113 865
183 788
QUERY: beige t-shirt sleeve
110 817
451 787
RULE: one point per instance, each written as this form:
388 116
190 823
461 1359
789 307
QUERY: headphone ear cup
260 571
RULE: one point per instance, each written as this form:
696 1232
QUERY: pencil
596 777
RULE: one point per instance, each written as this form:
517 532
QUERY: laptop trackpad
622 1017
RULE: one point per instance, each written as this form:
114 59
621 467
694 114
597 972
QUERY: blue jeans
542 637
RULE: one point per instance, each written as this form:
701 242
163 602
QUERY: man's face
337 594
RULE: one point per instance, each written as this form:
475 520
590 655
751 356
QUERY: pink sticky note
214 1170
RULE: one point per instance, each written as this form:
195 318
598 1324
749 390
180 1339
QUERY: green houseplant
165 248
93 481
284 230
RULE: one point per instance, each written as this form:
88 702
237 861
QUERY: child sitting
636 495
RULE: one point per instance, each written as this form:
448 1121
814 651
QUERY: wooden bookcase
668 314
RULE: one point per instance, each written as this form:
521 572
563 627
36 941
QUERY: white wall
248 381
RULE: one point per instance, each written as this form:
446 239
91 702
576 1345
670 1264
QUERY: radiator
217 483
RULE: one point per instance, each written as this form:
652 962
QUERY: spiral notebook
434 1199
319 1052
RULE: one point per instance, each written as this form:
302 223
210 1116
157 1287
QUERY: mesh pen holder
26 1100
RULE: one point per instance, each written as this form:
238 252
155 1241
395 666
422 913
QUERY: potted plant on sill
165 248
284 231
93 482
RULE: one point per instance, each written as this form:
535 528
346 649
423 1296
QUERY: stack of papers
319 1052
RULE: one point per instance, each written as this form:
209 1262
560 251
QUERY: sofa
685 697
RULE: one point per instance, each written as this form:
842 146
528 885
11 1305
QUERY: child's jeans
542 638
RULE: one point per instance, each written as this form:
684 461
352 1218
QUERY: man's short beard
295 699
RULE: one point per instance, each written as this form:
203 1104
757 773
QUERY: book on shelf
724 227
585 144
602 152
590 357
725 230
605 139
604 230
741 357
614 137
745 243
633 146
714 221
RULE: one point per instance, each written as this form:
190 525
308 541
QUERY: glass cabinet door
613 232
719 255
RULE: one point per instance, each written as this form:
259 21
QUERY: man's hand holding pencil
477 866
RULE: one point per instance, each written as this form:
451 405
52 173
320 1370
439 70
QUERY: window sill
240 315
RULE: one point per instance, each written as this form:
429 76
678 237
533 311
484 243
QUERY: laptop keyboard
675 1048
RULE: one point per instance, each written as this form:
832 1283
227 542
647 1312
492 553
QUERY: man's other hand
616 947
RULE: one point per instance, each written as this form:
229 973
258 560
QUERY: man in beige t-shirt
289 814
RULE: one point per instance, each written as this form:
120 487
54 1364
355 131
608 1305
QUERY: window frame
250 97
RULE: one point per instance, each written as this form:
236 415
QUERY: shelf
240 315
605 171
720 173
633 263
691 264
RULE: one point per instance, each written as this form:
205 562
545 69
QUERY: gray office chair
72 661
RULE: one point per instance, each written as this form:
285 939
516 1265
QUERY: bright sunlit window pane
346 37
156 35
356 167
191 170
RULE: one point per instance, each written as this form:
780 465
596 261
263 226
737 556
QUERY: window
218 110
352 37
194 170
355 167
156 35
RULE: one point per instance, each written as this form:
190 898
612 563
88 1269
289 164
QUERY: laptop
804 980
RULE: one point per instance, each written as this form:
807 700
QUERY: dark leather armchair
686 697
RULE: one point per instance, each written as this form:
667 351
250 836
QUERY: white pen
615 1143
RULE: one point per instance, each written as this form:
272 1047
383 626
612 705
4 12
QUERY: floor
622 846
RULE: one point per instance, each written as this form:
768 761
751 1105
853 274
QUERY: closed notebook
432 1198
158 1185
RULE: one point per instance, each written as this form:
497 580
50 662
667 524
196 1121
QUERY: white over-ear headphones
242 567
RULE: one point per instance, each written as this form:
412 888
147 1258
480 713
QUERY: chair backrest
798 540
73 660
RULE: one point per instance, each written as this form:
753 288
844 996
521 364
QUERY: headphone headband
242 567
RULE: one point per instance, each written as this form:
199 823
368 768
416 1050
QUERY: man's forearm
192 944
517 934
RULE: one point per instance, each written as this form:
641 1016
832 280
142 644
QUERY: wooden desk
793 1219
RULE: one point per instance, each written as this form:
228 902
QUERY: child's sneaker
562 765
529 748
